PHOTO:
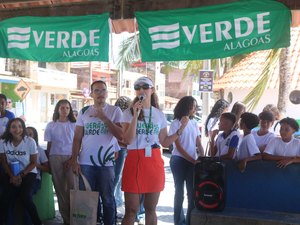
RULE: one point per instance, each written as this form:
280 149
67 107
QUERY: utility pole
205 105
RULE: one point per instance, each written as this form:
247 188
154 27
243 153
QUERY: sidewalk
165 204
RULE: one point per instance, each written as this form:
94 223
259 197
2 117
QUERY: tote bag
83 204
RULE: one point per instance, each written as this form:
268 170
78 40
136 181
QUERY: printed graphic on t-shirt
19 153
104 156
95 128
142 128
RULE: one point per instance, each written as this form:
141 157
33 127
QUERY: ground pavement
165 204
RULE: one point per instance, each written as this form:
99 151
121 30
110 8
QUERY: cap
144 80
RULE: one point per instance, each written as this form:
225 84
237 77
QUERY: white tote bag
83 204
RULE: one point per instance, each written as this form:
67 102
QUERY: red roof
246 72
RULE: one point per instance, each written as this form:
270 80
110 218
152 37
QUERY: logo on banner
18 37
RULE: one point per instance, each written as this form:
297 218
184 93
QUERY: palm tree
285 78
275 56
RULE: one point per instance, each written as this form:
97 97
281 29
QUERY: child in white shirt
248 150
284 150
226 142
263 136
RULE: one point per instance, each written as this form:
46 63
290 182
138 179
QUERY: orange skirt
143 174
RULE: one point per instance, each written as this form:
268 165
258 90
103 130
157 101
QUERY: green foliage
129 51
252 99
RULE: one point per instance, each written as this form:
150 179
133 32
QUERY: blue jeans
118 176
182 171
101 179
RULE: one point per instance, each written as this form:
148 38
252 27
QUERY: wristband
178 132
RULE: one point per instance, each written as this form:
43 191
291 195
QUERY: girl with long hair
16 148
59 134
184 155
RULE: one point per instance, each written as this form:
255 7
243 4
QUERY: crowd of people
117 148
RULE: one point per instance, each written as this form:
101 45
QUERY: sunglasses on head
144 86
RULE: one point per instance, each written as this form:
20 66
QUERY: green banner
55 39
214 31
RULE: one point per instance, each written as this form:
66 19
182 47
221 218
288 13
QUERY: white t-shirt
61 135
158 122
224 143
20 153
97 140
187 139
247 148
42 158
262 140
280 148
4 120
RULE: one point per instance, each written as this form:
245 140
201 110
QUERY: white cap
144 80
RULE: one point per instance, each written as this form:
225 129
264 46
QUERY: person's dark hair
7 136
291 122
238 109
123 102
229 116
3 96
266 115
216 112
250 120
184 106
97 82
35 135
273 109
71 116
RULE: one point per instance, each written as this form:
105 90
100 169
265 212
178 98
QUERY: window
42 64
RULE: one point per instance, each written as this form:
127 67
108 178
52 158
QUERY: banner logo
165 36
18 37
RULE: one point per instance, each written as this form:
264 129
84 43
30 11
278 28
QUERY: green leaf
252 99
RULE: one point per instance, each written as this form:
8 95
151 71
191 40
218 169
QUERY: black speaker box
209 184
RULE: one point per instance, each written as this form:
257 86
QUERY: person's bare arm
72 162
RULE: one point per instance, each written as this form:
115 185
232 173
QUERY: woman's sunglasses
144 86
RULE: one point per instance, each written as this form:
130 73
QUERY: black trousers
22 193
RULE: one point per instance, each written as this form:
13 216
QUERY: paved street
165 205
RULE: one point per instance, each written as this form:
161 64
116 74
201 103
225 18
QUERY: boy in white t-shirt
248 150
227 142
263 136
284 150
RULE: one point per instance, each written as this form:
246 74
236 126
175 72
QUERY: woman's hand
137 107
184 121
72 164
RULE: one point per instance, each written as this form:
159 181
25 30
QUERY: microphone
141 97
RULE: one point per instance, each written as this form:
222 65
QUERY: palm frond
129 51
252 99
192 67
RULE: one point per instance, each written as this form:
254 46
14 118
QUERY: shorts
143 174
